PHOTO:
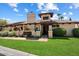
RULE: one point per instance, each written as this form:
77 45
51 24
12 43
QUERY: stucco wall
68 28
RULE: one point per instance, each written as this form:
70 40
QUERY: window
45 18
55 25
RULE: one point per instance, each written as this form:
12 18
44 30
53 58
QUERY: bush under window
75 32
59 32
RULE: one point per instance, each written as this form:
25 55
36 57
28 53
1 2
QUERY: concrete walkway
12 52
43 38
13 38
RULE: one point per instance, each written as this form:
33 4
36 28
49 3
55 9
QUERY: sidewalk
12 52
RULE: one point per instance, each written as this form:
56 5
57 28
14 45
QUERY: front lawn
54 47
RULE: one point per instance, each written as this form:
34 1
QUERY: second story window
45 18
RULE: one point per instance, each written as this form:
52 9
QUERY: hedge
75 32
59 32
4 33
12 33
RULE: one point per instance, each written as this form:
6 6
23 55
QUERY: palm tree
70 19
60 17
58 14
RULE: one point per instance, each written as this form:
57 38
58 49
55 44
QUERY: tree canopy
3 22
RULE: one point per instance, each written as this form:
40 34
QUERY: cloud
70 13
47 7
8 19
26 10
40 6
50 6
71 7
32 4
43 11
16 10
19 14
64 13
76 5
65 17
55 17
13 4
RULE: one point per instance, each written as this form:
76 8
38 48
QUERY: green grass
54 47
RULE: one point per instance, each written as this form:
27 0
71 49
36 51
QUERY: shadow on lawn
65 38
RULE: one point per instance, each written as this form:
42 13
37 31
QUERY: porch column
76 25
40 30
50 33
23 27
33 30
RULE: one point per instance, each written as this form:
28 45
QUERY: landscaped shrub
12 33
3 33
59 32
0 33
75 32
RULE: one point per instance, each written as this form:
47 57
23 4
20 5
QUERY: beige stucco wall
68 28
50 34
35 33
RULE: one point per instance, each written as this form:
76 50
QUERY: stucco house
43 26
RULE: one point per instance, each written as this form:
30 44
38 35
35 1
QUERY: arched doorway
45 28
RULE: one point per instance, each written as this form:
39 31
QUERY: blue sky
16 12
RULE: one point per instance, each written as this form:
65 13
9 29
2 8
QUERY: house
43 26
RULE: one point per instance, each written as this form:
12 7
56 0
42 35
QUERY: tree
58 14
3 22
60 17
70 19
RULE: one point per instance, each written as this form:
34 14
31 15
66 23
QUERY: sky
17 12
